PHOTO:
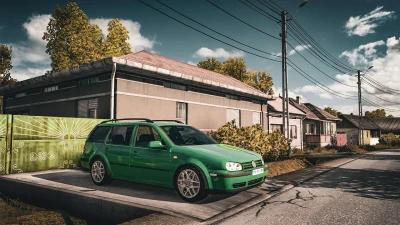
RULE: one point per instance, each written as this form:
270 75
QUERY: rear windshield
99 134
186 135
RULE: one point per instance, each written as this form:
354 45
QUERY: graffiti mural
3 144
42 143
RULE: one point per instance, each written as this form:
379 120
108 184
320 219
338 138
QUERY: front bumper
236 181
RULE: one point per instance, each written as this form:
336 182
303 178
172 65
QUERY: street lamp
301 5
360 105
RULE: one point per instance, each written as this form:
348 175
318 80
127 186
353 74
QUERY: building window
233 114
256 118
312 129
67 85
52 88
293 131
275 127
175 86
233 97
83 82
375 134
181 109
87 108
34 91
19 95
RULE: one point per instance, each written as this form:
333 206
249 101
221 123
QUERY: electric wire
251 53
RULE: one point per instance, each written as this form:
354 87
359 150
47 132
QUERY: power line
288 44
266 14
216 31
379 106
206 33
380 84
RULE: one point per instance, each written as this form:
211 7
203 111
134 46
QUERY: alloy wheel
188 183
98 171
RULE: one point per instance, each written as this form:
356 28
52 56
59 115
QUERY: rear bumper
236 182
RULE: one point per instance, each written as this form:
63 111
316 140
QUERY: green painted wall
42 143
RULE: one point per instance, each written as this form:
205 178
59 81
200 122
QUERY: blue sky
357 32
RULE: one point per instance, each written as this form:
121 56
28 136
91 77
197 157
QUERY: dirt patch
16 212
286 166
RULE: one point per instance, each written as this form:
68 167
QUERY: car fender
197 163
99 154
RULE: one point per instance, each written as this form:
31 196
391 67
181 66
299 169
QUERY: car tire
98 172
190 184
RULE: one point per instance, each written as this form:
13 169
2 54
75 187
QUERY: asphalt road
364 191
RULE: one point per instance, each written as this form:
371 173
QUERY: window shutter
83 108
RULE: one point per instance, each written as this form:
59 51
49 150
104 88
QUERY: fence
33 143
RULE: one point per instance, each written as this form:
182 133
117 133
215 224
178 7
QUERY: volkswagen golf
169 154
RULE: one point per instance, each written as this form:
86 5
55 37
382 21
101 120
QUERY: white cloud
137 41
217 53
299 48
366 24
385 71
29 58
192 63
363 54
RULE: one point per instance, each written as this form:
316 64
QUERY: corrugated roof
307 111
320 113
365 122
388 124
181 67
277 107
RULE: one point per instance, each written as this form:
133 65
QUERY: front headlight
232 166
262 160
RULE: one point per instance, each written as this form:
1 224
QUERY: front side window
146 134
186 135
120 135
99 134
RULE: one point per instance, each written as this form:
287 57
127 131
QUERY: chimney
298 99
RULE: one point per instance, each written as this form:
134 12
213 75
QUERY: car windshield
186 135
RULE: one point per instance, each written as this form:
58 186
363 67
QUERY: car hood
226 152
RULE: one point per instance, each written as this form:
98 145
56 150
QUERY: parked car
169 154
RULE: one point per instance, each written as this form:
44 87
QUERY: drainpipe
302 132
112 103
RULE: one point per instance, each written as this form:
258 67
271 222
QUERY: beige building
141 84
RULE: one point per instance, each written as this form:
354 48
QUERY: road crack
293 201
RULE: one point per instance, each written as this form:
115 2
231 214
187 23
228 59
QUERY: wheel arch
198 165
100 155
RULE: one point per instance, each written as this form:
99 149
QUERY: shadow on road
365 182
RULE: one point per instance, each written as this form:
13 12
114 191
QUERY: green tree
116 42
378 113
6 65
234 67
390 116
71 39
333 112
259 80
210 64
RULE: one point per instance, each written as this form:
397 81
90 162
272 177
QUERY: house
351 125
319 126
140 84
274 117
388 125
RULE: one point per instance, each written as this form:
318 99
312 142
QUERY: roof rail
177 121
115 120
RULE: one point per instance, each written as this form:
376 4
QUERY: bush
273 146
389 139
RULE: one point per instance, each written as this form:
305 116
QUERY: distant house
274 117
319 126
388 125
350 124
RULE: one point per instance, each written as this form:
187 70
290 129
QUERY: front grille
238 185
248 165
255 181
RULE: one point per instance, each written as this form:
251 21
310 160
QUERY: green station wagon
169 154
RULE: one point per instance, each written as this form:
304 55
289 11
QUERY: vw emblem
254 164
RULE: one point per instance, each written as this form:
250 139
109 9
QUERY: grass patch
286 166
16 212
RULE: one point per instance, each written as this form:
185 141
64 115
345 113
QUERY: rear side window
120 135
99 134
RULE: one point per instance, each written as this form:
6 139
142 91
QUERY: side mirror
156 145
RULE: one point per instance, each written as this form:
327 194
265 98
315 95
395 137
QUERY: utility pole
360 131
285 93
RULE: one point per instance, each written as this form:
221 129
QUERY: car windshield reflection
187 135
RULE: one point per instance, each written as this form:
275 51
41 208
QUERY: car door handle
135 152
